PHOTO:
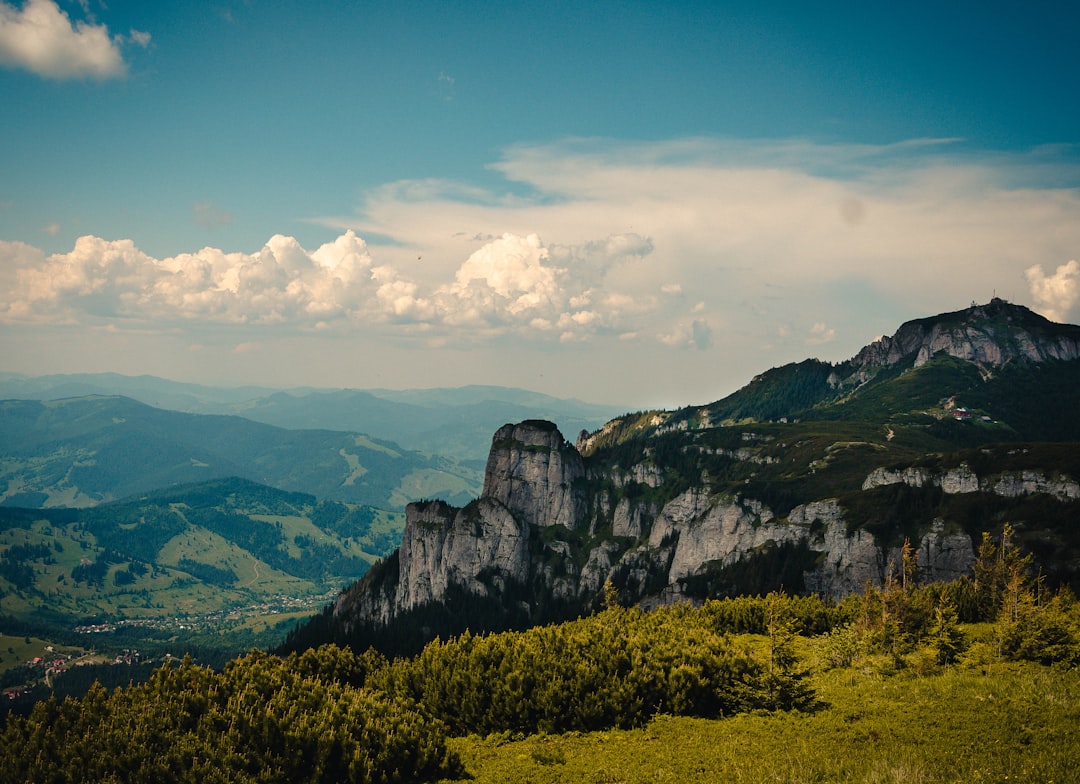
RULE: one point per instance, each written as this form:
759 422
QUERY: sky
633 203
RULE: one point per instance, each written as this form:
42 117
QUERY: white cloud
1057 295
695 333
763 231
510 285
819 334
446 86
42 38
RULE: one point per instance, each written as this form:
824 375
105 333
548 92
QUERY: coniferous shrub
259 720
617 668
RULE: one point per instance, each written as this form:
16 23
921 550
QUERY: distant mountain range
88 450
171 522
455 423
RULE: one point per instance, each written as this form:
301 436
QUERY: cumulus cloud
512 284
41 38
695 333
762 231
115 280
819 334
1055 295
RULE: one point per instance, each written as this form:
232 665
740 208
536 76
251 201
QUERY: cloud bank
774 230
698 245
510 285
41 38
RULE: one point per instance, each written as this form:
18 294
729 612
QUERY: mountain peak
989 336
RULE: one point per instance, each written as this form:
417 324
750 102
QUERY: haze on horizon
640 204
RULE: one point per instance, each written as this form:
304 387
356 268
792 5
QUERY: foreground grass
997 723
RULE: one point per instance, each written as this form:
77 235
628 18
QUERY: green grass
1001 723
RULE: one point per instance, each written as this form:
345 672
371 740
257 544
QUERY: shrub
258 720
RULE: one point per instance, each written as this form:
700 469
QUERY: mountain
455 423
810 478
154 391
989 359
84 451
197 558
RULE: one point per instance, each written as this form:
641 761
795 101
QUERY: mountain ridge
688 504
452 422
82 451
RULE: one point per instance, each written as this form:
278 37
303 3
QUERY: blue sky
636 203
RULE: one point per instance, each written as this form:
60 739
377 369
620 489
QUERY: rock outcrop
988 335
676 506
536 474
1008 484
537 482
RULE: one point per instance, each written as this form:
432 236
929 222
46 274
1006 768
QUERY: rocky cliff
671 506
988 336
651 550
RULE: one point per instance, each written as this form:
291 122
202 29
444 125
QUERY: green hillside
83 451
211 558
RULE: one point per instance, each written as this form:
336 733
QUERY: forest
331 714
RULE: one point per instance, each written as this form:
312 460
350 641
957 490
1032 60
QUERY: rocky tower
533 478
536 474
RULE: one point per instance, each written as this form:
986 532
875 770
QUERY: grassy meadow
999 722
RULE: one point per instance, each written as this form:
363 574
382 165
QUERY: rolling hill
191 559
88 450
453 422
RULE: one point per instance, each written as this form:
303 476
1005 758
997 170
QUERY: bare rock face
989 335
535 473
913 477
1008 484
650 548
721 532
630 518
944 557
850 560
444 546
960 480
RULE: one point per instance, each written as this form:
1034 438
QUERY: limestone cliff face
1008 484
536 474
541 507
987 335
443 546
